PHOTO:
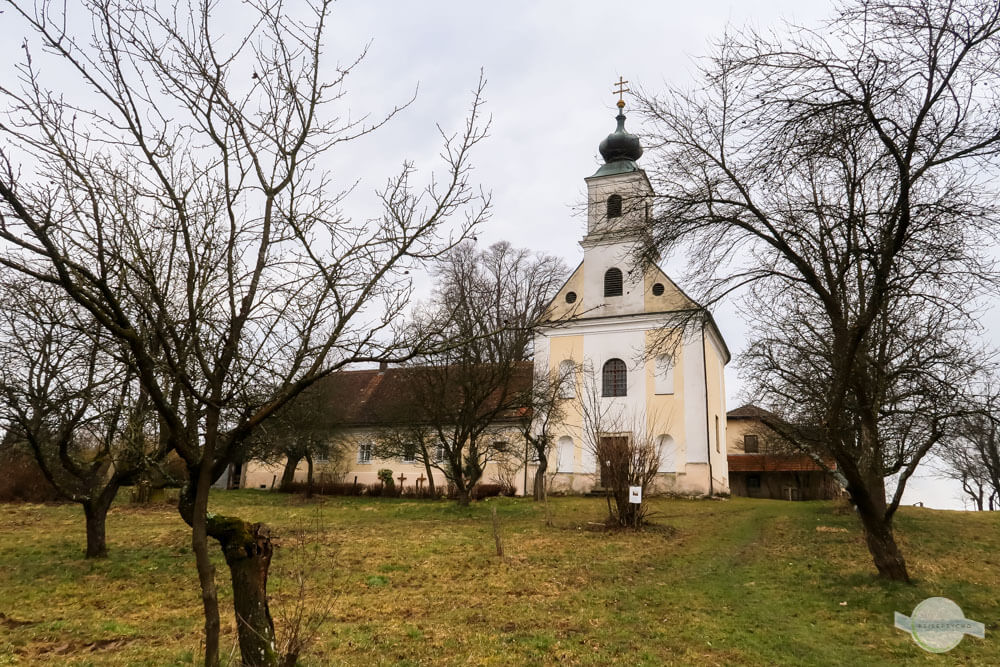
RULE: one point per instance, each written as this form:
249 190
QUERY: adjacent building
762 464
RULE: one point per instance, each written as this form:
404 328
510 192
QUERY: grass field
418 582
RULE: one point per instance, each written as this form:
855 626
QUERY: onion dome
619 149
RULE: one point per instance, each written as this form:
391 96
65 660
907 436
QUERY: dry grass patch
398 581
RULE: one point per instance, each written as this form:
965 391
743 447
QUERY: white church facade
647 362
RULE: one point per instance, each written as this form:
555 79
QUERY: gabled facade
645 354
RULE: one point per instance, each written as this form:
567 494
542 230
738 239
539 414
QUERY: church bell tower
619 197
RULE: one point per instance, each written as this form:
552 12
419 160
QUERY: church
640 360
645 357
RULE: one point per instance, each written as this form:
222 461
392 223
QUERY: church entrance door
613 448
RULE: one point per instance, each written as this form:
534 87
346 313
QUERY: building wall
349 467
736 429
716 408
812 485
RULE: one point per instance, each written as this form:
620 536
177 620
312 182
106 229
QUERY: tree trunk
870 504
886 555
96 512
539 484
463 496
309 476
288 474
97 545
195 514
248 550
427 467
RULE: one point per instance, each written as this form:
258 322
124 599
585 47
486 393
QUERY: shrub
328 488
22 479
385 476
423 492
480 491
382 490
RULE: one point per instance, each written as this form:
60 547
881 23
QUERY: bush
22 479
376 490
423 492
382 490
480 491
329 488
385 476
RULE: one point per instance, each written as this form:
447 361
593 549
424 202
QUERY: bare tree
546 404
75 405
835 170
973 456
482 315
626 453
302 429
187 168
409 439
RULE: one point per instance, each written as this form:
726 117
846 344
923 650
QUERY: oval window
570 297
658 289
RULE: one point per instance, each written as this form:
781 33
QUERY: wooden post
496 532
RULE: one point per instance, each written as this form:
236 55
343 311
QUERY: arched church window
667 450
614 206
613 282
565 454
614 378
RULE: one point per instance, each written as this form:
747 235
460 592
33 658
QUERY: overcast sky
550 68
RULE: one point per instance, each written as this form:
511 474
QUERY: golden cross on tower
621 91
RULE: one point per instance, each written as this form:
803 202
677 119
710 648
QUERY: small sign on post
635 495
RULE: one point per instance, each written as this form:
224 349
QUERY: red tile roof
776 463
384 397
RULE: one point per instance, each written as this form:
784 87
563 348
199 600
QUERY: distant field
417 582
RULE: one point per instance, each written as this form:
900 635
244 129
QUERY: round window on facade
658 289
570 297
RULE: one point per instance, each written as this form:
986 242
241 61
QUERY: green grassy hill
739 581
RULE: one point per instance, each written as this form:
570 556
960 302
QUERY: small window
753 481
614 206
570 297
409 452
658 289
323 457
718 443
613 282
750 444
439 453
365 453
614 378
500 446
